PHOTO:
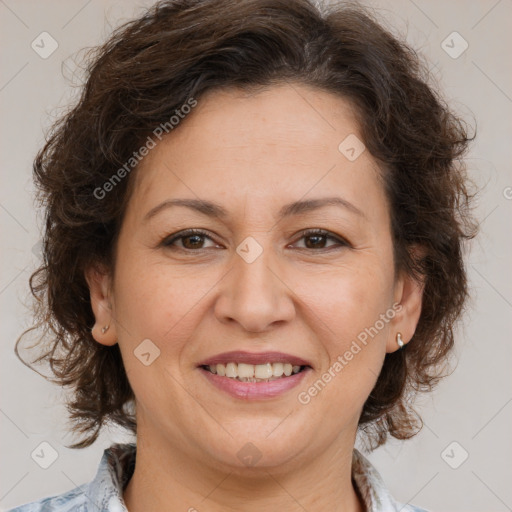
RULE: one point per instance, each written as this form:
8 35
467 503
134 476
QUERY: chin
248 454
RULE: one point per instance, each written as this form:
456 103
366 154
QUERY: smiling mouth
243 372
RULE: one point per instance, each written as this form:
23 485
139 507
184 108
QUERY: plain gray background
472 407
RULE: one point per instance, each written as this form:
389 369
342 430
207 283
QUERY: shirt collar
115 470
371 487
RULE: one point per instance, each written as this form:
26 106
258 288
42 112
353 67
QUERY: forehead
281 140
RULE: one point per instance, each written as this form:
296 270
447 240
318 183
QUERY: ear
408 295
99 281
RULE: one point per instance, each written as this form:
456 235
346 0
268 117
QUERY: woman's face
254 283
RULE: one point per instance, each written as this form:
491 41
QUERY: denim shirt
105 492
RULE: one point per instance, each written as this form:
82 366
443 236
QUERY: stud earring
399 340
104 329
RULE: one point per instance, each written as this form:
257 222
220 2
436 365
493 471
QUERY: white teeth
263 371
251 372
246 370
278 369
231 370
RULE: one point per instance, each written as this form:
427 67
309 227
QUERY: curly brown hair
179 49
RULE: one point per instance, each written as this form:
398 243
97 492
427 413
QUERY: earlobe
399 340
99 282
409 294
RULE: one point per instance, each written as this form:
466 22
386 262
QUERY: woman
253 250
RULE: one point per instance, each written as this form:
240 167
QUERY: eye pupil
315 244
194 245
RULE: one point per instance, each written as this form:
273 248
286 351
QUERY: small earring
399 340
104 329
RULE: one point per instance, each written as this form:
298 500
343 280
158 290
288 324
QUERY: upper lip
240 356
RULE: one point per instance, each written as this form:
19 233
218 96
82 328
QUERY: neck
167 477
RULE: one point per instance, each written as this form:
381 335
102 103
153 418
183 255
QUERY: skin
304 296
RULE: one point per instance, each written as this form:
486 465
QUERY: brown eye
192 239
317 238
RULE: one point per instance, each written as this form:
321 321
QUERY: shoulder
372 489
103 493
73 500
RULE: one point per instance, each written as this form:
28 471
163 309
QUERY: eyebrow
215 210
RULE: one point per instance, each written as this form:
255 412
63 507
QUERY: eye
191 239
318 237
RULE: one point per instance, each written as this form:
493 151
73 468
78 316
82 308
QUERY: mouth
251 376
253 367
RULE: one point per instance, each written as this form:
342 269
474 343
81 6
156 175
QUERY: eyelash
169 241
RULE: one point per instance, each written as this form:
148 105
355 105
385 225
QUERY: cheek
151 300
166 306
348 299
352 310
151 305
353 338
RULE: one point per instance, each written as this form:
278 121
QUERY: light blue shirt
105 492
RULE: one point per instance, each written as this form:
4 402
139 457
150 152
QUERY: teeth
263 371
231 370
246 370
252 373
278 369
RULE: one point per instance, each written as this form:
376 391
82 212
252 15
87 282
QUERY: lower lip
255 390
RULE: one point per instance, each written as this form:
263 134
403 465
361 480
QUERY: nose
255 295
